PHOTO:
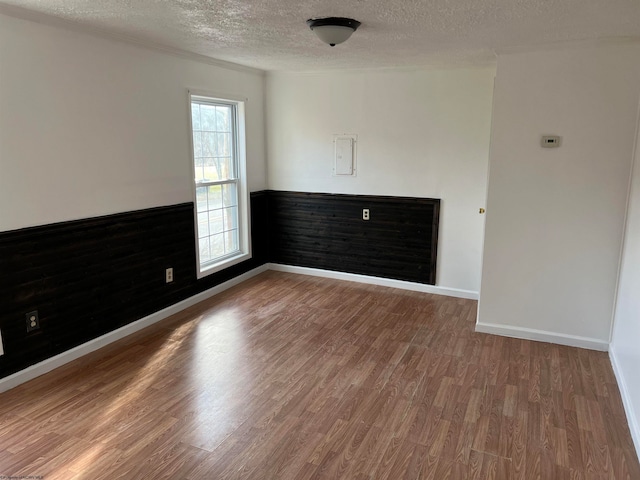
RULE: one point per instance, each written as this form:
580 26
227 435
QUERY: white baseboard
385 282
632 418
65 357
542 336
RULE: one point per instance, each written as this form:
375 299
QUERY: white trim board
385 282
626 402
542 336
63 358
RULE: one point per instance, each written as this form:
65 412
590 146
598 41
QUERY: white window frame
244 225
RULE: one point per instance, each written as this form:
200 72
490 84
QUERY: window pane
223 145
198 168
226 168
208 118
215 221
208 144
230 218
205 256
223 117
215 196
203 225
211 169
229 195
197 144
201 199
231 241
195 116
217 245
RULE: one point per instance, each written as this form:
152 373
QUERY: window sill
208 269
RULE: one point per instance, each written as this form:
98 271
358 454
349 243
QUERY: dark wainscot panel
92 276
89 277
327 231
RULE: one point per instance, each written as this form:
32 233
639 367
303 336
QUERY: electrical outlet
33 321
168 275
365 214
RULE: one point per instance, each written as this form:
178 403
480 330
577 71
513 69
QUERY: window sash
221 227
232 131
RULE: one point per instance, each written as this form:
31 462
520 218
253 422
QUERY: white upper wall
555 216
421 133
626 332
90 126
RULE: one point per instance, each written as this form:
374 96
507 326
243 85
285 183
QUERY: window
217 128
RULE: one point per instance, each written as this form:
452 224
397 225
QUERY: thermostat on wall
550 141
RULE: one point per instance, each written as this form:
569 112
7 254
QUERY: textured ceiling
272 34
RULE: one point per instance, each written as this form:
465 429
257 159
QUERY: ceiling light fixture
333 30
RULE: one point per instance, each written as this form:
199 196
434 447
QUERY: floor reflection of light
144 378
217 366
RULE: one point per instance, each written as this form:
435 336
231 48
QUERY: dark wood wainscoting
327 231
89 277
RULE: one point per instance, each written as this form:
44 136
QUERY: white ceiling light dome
333 30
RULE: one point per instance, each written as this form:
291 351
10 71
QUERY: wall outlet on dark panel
33 320
168 275
365 214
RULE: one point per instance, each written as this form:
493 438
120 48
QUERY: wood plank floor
295 377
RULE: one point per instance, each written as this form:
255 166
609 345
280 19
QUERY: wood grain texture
92 276
295 377
326 231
